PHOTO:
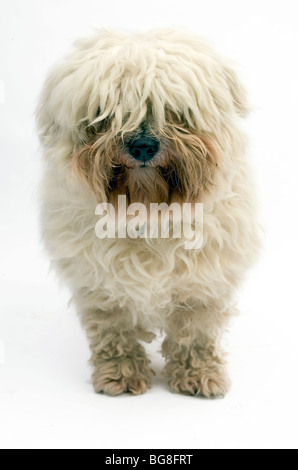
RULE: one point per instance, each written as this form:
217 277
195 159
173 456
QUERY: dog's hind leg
195 361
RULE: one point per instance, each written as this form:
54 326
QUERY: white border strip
2 352
2 92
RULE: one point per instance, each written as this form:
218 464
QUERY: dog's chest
148 273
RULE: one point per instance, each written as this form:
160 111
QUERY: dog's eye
98 127
98 112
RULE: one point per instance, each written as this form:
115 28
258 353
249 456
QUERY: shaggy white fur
167 84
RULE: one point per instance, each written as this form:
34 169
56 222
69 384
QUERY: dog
155 117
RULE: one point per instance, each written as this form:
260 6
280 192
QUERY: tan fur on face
181 172
111 88
193 159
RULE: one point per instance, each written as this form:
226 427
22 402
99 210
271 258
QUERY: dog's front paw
197 376
124 375
196 370
201 384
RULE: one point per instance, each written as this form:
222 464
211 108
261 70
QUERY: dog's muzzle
143 149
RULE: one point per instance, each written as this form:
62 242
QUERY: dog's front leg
120 362
195 361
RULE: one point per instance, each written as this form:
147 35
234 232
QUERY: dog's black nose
144 148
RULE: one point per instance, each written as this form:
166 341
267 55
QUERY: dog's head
150 116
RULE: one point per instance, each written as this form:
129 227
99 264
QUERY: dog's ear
238 92
61 106
47 119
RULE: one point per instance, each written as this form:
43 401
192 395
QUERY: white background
46 399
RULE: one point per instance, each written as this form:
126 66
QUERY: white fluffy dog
155 117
